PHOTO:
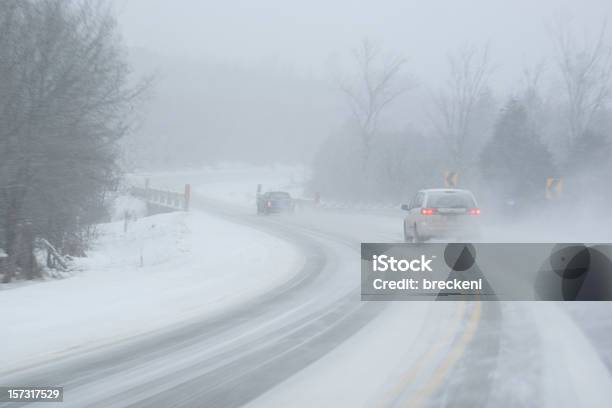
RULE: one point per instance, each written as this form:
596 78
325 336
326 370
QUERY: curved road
290 346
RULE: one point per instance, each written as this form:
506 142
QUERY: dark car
274 202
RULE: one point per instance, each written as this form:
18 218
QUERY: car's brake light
269 203
474 211
428 211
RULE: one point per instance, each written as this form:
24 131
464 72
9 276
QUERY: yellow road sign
451 179
554 187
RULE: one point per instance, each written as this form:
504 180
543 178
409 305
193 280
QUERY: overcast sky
307 35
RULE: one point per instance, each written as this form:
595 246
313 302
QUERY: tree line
503 146
66 99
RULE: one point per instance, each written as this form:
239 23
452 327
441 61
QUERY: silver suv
441 213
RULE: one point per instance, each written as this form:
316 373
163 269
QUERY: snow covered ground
560 360
166 269
543 357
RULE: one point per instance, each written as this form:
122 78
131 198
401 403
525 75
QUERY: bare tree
375 88
586 70
66 100
536 106
455 105
532 78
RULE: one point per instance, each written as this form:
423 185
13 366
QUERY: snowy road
312 342
301 320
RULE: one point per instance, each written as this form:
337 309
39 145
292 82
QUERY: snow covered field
166 269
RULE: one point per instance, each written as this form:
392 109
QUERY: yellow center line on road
416 368
457 351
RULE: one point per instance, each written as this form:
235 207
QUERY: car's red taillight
428 211
269 204
474 211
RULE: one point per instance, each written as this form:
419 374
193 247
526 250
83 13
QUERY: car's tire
407 237
416 237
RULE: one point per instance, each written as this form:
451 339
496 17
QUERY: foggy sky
258 79
306 35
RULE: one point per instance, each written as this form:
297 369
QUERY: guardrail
358 205
304 203
317 203
343 205
159 201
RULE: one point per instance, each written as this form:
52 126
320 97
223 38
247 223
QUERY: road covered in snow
166 269
279 321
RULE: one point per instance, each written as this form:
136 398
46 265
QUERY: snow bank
166 269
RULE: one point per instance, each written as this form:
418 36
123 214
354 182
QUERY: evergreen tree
515 163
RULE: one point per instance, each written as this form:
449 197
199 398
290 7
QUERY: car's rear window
279 195
454 199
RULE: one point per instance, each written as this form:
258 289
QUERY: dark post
126 216
187 196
